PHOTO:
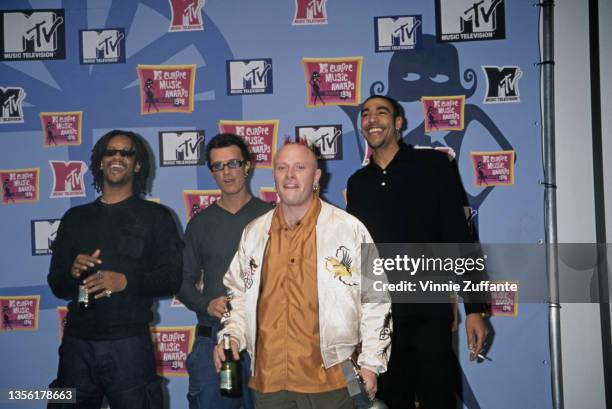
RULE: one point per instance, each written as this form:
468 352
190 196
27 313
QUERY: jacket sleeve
188 294
234 322
376 324
61 282
163 277
455 226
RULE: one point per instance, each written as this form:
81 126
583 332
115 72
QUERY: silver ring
99 274
108 293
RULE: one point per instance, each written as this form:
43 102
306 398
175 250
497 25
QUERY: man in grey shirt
211 239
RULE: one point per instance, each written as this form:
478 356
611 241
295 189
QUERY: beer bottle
229 370
85 299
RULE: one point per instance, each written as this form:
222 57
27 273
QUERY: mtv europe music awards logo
166 88
19 185
11 103
186 15
197 200
397 33
332 81
493 168
327 140
68 178
308 12
44 232
61 128
502 84
245 77
32 35
444 113
171 345
470 20
260 136
19 313
181 148
103 46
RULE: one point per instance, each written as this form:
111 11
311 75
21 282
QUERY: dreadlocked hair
140 178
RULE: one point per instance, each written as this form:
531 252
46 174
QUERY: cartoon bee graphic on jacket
341 265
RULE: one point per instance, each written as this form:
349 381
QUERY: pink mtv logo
68 178
186 15
310 12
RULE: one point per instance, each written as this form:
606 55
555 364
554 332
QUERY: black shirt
417 198
137 238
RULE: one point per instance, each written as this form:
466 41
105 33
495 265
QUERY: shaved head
297 146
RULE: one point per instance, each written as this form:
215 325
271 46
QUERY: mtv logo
399 32
502 84
186 15
43 235
240 130
102 44
469 16
32 31
250 76
11 104
326 138
323 68
310 11
68 178
181 148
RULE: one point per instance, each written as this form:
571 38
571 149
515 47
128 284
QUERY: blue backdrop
109 97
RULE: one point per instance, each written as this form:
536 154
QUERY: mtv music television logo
310 12
502 84
186 15
327 140
104 46
396 33
43 235
68 178
470 20
32 35
246 77
181 148
11 104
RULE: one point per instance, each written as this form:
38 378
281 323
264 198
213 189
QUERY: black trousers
423 366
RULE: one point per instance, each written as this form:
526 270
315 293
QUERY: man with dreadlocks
124 251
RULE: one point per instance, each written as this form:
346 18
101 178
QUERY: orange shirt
288 354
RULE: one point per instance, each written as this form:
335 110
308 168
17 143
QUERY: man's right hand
217 307
83 261
219 354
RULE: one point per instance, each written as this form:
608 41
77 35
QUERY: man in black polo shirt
405 195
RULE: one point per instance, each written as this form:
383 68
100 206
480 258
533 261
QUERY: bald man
297 308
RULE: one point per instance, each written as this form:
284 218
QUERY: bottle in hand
85 299
229 371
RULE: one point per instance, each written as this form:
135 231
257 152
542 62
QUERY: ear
137 167
399 122
317 176
247 166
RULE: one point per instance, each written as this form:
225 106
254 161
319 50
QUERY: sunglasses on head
123 152
232 164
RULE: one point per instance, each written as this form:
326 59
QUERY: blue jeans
204 390
123 370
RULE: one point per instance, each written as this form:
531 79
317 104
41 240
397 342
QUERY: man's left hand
477 332
104 283
371 382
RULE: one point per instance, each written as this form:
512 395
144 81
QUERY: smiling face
230 181
295 175
379 124
118 170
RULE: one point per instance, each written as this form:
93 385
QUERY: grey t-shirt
211 239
